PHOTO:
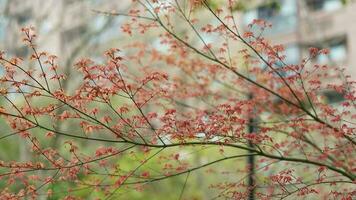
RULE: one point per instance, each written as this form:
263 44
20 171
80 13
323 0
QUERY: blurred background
71 29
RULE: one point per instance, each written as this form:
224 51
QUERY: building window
24 16
268 11
291 57
22 52
264 11
333 97
3 24
249 16
292 54
337 48
327 5
282 14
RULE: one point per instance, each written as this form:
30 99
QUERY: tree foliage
141 109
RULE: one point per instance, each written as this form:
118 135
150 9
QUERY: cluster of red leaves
194 95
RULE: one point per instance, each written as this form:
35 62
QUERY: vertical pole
251 159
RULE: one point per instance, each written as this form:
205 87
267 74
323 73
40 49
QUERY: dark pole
251 159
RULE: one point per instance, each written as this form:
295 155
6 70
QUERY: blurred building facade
55 21
69 29
64 27
300 24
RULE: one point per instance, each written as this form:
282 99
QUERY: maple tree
145 105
